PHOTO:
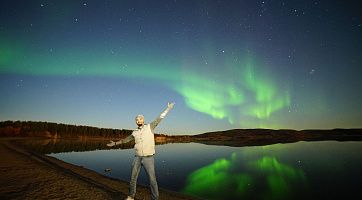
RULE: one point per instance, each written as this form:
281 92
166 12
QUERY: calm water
316 170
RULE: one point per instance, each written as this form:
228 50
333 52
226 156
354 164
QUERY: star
19 84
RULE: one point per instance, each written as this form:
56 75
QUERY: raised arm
125 140
162 115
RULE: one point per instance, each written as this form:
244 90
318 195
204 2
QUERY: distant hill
243 137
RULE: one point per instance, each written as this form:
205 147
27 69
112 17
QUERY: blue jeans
148 162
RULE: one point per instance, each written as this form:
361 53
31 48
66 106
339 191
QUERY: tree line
57 130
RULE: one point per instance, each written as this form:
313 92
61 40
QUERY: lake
316 170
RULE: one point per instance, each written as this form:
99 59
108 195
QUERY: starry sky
226 64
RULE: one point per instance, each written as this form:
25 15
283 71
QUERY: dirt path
27 175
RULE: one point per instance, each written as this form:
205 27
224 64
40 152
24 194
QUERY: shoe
129 198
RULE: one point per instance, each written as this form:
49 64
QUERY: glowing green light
209 96
213 181
264 110
5 56
219 180
264 90
280 177
8 53
238 92
267 100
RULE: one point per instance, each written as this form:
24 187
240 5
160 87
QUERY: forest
57 130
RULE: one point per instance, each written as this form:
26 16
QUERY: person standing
144 152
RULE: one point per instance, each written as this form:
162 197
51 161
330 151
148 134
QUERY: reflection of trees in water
263 178
46 146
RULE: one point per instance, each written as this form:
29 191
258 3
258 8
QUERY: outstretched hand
170 105
111 144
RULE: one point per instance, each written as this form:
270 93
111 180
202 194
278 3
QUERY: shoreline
25 174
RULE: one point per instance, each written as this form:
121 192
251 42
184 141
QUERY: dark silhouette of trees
55 130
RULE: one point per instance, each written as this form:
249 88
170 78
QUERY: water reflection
47 146
281 179
238 178
302 170
216 180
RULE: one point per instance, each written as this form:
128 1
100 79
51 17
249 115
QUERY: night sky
226 64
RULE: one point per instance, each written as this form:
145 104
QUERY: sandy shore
28 175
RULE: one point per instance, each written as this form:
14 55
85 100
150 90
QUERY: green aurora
219 180
244 95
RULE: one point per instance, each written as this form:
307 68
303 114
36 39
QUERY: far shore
233 137
25 174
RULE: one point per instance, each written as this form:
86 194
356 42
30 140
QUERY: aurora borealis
232 64
220 179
